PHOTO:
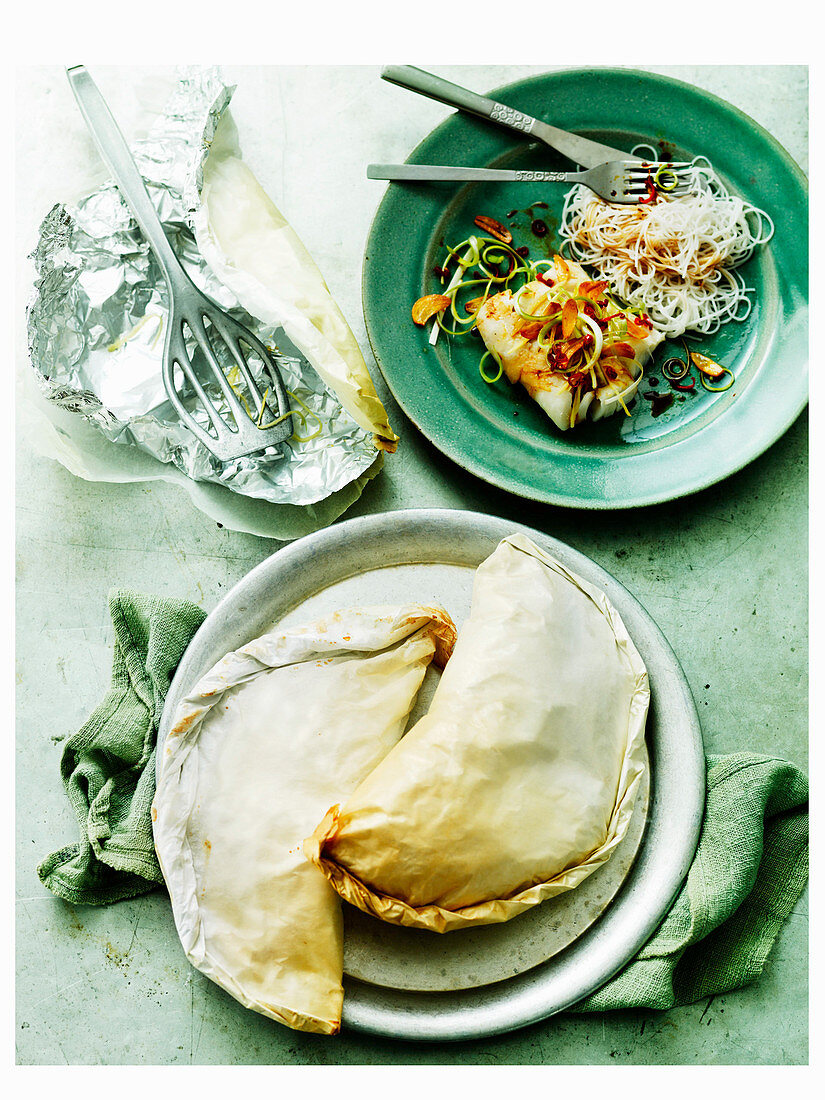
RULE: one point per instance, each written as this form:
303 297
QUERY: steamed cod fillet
524 361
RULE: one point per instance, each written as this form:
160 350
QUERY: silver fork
580 150
190 309
618 181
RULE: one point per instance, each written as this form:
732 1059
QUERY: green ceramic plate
496 431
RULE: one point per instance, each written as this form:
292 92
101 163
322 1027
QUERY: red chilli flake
652 193
556 357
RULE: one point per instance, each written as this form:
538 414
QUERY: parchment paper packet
271 734
97 318
520 780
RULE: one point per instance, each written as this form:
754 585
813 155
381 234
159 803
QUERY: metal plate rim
674 815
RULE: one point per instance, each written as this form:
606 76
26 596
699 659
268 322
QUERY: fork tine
639 188
223 444
679 189
656 165
676 169
639 181
643 183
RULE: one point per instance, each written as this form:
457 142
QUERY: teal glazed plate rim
496 432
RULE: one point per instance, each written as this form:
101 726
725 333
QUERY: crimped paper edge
435 918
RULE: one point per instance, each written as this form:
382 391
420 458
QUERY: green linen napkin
750 867
108 766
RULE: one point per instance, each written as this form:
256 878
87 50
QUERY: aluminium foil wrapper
97 321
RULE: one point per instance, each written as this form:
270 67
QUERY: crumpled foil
96 324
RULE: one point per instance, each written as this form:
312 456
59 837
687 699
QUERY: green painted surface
724 573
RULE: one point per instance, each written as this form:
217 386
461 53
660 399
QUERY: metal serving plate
464 986
415 959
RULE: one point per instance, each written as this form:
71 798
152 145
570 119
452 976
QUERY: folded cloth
751 864
108 766
750 867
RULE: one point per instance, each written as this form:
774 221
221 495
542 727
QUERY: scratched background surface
723 573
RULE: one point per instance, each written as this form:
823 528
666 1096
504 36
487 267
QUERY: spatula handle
118 159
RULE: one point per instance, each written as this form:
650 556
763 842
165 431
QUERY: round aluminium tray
294 576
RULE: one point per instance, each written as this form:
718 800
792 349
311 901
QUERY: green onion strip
302 414
490 355
485 254
668 175
717 389
487 266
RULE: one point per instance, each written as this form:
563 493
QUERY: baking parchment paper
95 336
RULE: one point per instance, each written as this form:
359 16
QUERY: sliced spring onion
479 276
718 389
302 414
465 262
672 372
486 377
665 179
598 339
541 339
121 340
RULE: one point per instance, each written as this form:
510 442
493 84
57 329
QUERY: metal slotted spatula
250 427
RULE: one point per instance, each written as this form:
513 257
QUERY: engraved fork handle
442 173
578 149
